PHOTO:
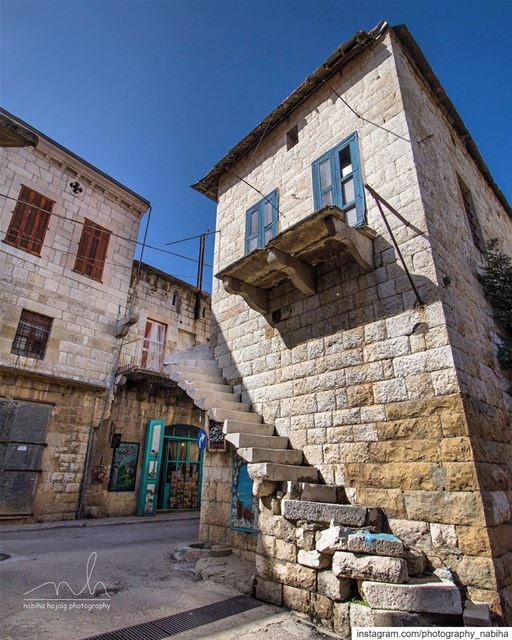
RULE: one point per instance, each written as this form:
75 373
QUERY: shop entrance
179 485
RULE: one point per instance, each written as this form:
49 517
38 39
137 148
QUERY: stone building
172 316
68 234
366 371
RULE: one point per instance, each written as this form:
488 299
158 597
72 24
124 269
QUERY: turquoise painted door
146 505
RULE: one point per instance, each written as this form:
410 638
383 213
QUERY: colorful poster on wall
216 440
124 467
244 506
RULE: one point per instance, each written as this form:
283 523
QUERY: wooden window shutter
29 222
92 250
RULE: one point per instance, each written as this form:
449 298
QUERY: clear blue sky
154 93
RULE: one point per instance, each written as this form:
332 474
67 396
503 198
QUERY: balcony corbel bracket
359 245
255 297
302 275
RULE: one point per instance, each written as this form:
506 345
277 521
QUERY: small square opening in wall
292 137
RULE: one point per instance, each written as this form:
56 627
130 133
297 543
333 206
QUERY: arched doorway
179 486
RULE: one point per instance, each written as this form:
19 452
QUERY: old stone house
350 327
68 235
172 316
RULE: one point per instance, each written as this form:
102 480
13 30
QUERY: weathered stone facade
402 404
143 390
80 354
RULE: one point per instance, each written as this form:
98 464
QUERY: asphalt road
129 572
132 561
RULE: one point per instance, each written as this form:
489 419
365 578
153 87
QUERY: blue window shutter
358 180
255 234
317 196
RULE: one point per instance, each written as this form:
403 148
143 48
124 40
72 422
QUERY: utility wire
206 233
266 198
115 235
379 126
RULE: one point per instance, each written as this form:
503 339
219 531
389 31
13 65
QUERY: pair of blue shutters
337 181
261 223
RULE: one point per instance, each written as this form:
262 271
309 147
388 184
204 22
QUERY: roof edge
412 48
163 274
208 185
74 156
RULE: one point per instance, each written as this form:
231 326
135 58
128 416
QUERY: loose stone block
341 619
313 559
321 607
337 589
267 591
380 568
360 615
305 539
318 492
332 539
292 574
381 544
296 599
342 514
420 595
476 614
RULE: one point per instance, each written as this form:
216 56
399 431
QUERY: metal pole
377 199
200 265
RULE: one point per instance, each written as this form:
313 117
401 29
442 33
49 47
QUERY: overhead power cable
113 234
379 126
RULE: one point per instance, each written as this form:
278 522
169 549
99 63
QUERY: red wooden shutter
92 250
29 222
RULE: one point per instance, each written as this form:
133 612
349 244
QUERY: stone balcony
294 254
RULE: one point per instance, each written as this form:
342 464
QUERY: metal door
23 427
151 468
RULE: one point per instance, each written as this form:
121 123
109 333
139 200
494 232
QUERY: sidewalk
101 522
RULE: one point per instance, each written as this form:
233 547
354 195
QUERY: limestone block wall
170 301
473 335
75 409
134 405
357 376
82 341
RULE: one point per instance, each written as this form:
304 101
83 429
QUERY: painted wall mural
244 506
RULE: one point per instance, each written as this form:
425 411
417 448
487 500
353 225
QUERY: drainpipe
84 483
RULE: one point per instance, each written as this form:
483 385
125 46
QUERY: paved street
133 581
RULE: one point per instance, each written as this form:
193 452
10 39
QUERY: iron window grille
29 221
32 335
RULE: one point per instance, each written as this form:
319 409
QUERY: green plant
496 279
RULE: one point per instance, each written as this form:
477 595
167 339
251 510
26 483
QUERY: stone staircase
268 455
316 553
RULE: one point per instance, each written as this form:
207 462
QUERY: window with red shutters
29 221
92 250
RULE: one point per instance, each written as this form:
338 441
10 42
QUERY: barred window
29 221
92 250
32 335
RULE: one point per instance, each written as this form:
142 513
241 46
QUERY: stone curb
99 522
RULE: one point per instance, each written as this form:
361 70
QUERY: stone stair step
423 595
212 386
219 414
194 376
209 365
281 472
236 426
204 390
249 440
318 492
277 456
342 514
207 402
